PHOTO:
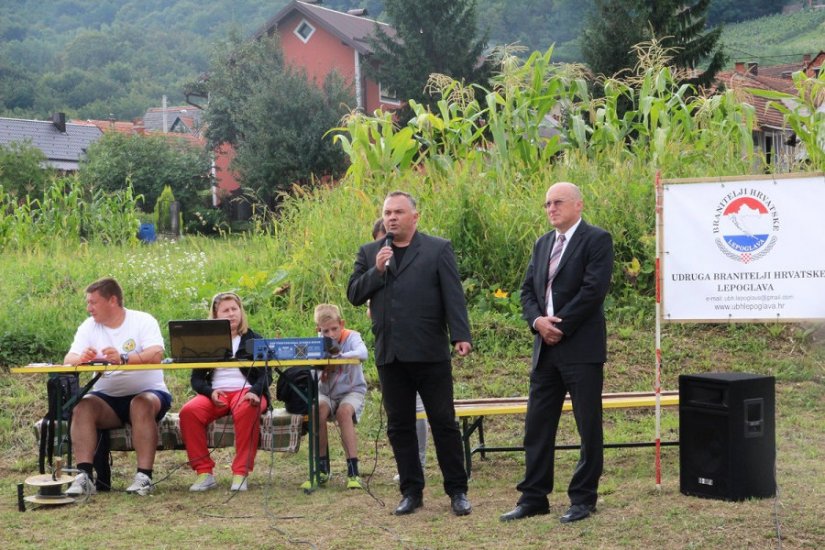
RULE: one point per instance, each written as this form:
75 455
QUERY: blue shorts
121 404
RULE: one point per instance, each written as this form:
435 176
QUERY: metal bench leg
481 443
467 430
314 439
465 440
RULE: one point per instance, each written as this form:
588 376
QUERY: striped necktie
555 256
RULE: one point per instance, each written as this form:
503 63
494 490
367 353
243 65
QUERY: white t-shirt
230 379
138 331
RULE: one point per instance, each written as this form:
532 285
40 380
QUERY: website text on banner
744 249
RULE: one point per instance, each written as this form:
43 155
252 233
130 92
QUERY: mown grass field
632 512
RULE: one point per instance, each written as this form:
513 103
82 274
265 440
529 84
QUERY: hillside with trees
95 59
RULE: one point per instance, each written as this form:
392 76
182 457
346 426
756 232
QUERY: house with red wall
320 40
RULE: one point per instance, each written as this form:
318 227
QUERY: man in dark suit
418 312
562 299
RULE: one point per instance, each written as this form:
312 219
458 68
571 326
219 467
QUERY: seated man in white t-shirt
116 335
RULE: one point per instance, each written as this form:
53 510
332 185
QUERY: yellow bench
473 411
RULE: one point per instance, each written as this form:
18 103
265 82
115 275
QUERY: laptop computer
200 341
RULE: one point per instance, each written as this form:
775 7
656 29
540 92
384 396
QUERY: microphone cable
367 478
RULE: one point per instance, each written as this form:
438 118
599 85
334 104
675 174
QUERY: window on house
388 95
304 31
769 152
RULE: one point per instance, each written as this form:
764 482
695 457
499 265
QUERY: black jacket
418 307
579 289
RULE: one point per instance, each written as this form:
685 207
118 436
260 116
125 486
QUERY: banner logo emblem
745 225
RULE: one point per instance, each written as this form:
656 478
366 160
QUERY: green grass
45 300
632 512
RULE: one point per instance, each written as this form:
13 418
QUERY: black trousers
434 382
549 382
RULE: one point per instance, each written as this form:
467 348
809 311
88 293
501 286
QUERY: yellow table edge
521 408
36 368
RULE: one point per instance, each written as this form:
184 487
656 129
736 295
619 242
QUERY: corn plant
456 130
804 113
526 108
374 146
68 214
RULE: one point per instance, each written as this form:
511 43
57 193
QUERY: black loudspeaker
727 435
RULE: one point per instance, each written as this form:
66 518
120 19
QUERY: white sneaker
82 485
142 485
396 478
204 483
238 483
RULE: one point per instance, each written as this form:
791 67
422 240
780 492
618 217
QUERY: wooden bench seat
281 431
473 411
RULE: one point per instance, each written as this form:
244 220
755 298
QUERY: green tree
536 24
432 36
274 117
149 163
16 87
22 171
682 26
615 26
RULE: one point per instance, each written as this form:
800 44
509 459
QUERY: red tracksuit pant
200 411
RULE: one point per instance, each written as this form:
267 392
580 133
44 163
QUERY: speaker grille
727 439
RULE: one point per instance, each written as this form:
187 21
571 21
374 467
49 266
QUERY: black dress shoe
409 504
460 504
577 512
522 511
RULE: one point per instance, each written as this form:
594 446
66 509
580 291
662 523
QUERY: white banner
746 249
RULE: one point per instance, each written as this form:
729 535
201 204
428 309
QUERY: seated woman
242 392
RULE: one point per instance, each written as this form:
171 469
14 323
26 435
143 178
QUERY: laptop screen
201 340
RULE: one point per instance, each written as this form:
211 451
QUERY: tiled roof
774 78
63 150
353 30
120 127
739 82
132 128
786 69
153 119
779 70
176 137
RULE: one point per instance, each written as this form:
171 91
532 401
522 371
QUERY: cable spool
50 487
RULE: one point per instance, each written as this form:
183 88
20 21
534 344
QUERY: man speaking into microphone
418 315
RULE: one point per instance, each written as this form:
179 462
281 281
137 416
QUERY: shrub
163 212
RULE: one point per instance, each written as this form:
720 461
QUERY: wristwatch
124 358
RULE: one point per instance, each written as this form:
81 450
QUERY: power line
794 55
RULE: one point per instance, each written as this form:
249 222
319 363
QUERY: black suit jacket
579 288
418 307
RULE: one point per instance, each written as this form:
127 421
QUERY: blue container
146 233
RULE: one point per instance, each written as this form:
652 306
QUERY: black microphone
388 242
